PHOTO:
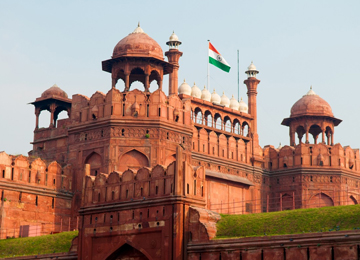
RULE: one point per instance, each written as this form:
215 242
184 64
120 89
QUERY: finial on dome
310 92
138 29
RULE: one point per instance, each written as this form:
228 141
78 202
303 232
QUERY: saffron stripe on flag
211 47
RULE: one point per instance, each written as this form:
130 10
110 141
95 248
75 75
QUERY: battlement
317 155
35 172
134 104
145 183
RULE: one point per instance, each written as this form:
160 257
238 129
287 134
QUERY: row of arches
216 121
314 130
138 74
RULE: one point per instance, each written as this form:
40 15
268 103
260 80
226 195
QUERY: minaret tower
251 84
173 55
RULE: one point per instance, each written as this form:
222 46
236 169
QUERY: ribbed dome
215 98
225 101
54 91
311 105
185 89
243 107
138 44
205 94
195 91
233 103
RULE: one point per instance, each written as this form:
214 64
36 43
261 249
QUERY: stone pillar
323 137
332 138
147 83
307 136
37 114
173 57
292 137
52 111
127 81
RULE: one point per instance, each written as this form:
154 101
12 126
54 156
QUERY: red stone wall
34 193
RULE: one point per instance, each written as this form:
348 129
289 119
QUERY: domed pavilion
311 114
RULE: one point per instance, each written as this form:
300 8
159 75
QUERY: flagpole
208 69
238 75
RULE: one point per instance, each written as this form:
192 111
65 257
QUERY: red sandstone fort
143 175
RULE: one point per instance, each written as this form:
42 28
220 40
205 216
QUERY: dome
205 94
252 66
54 91
138 44
185 89
233 103
173 37
243 107
195 91
311 105
215 98
225 101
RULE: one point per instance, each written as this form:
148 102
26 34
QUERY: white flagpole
238 75
208 69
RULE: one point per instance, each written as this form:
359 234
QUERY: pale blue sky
294 44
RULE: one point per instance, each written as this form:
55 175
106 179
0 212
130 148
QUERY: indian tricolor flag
217 60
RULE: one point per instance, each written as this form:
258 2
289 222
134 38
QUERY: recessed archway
127 252
320 200
95 161
170 159
133 160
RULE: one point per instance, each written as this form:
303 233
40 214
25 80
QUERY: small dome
233 103
205 94
54 91
195 91
185 89
243 107
311 105
251 67
138 44
215 98
225 101
173 37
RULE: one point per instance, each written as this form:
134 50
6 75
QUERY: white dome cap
173 37
225 101
215 98
311 92
195 91
252 66
233 103
205 94
243 107
185 89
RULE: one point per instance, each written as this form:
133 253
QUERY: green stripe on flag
218 64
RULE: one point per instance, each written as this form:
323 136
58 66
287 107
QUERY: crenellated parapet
133 104
35 173
307 155
143 184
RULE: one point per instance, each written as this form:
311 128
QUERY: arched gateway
127 252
